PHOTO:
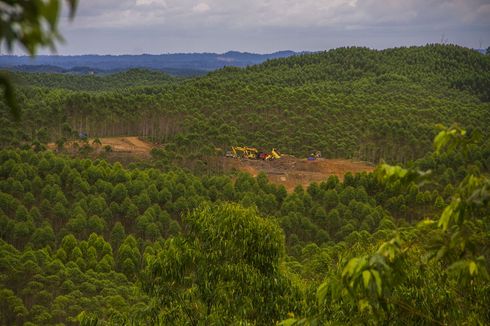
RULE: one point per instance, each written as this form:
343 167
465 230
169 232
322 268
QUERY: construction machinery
314 155
275 154
252 153
243 152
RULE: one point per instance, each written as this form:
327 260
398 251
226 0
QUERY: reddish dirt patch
119 145
127 145
291 172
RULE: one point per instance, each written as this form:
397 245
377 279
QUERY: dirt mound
291 172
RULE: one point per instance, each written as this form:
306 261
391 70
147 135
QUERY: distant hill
180 64
347 103
87 80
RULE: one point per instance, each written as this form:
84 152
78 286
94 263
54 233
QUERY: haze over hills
175 64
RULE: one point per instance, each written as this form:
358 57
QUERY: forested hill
434 63
87 242
347 102
120 80
176 64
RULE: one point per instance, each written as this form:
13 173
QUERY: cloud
296 22
201 7
151 2
302 13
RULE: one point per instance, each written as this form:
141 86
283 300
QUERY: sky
265 26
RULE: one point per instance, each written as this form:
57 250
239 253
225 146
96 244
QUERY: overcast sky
263 26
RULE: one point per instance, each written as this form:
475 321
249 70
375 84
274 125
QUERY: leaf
73 4
366 277
424 223
364 305
473 268
441 252
450 139
441 140
51 13
10 96
450 212
322 291
350 267
378 282
288 322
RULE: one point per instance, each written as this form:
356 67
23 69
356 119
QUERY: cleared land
132 146
288 171
291 172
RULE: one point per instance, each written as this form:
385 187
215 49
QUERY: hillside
183 235
178 64
120 80
347 103
127 245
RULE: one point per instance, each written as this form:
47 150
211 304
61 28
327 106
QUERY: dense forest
170 247
120 80
85 241
348 102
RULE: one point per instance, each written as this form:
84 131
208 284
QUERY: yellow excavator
274 155
252 153
243 152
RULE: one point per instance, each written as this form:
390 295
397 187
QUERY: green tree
117 234
377 286
225 269
12 309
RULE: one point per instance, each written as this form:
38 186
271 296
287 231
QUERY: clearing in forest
122 145
291 172
287 171
127 145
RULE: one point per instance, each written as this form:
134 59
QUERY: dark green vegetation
120 80
348 102
143 245
85 240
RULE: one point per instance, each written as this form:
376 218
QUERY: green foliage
228 254
348 102
86 227
380 285
30 24
85 241
140 78
9 95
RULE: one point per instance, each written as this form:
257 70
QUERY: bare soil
287 171
291 172
132 145
119 145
